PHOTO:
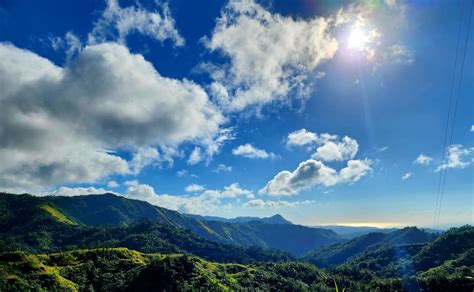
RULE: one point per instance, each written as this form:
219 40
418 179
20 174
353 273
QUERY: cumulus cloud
302 138
249 151
205 202
192 188
423 159
342 150
222 168
310 173
331 147
259 203
406 176
72 192
62 125
472 128
270 56
459 156
116 23
234 190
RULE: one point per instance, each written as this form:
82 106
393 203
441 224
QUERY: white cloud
458 157
142 158
331 147
222 168
259 203
207 201
72 192
302 138
345 149
234 190
185 173
112 184
472 128
116 23
193 188
406 176
249 151
423 159
270 55
195 157
354 171
310 173
62 125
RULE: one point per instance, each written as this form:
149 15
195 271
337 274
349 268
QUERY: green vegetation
26 226
46 246
123 269
444 264
57 214
113 210
337 254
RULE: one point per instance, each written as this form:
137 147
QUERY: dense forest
56 244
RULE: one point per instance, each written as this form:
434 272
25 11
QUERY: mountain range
112 210
108 242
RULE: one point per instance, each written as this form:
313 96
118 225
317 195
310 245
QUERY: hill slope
26 225
444 264
113 210
123 269
340 253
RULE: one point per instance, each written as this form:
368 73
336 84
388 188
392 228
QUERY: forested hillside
340 253
117 211
46 244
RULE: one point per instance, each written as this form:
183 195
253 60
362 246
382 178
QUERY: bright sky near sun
327 112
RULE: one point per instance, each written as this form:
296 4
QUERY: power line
449 111
455 108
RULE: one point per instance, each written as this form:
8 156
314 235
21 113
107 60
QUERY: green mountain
340 253
44 246
121 269
113 210
275 219
447 246
36 225
125 270
443 264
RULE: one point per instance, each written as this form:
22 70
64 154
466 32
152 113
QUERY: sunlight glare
357 39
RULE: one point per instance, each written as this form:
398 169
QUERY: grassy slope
57 214
110 269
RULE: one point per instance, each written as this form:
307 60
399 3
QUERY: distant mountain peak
276 219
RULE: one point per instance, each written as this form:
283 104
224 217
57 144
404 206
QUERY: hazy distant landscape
236 145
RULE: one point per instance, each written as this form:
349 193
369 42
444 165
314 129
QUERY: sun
357 39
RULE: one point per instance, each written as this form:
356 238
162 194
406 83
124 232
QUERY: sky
327 112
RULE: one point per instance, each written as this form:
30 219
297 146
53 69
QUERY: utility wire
449 113
455 107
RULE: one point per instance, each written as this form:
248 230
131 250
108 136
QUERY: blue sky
326 112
